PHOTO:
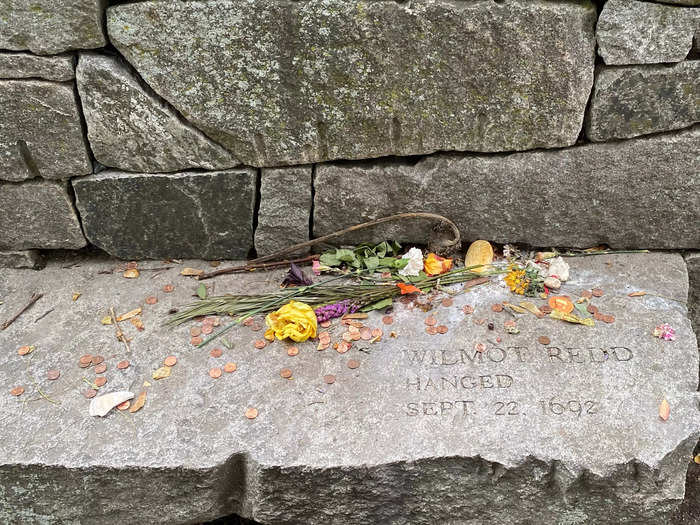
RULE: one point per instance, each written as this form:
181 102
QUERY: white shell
559 268
100 406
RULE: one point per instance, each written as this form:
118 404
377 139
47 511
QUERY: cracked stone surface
40 131
426 430
21 259
25 65
629 101
692 260
298 82
38 214
47 27
142 215
285 208
617 194
131 129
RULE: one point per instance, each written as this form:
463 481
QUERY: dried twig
47 312
120 335
249 267
34 298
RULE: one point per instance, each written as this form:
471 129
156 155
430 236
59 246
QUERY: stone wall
208 128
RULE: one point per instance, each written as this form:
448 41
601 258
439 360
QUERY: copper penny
377 332
151 299
592 309
325 324
124 406
84 365
544 340
100 381
207 329
598 316
17 391
442 329
322 346
256 327
249 321
86 359
168 288
343 347
587 294
90 393
251 413
230 367
286 373
431 330
196 341
366 334
324 336
353 363
97 359
448 302
121 365
292 351
597 292
430 321
260 343
329 379
468 309
387 319
216 352
347 336
356 336
101 368
608 319
52 375
171 360
480 347
479 321
198 319
497 307
24 350
215 373
208 321
195 331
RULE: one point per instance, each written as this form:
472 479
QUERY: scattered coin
87 358
497 307
124 406
101 368
216 352
447 302
230 367
249 321
347 336
256 327
198 319
152 299
17 391
377 332
324 337
592 309
597 292
97 359
468 309
546 309
325 324
24 350
343 347
480 347
171 360
353 363
251 413
366 334
322 346
356 336
387 319
168 288
329 379
430 321
52 375
286 373
207 329
215 373
260 343
587 294
208 321
292 351
121 365
544 340
84 365
479 321
442 329
100 381
608 319
598 316
431 330
90 393
196 341
195 331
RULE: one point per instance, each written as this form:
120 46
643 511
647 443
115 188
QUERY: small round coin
230 367
86 359
480 321
97 359
292 351
365 334
256 327
251 413
207 329
587 294
24 350
442 329
260 343
249 321
431 330
329 379
124 406
598 316
343 347
168 288
387 319
480 347
195 331
101 368
353 363
17 391
90 393
597 292
430 321
592 309
84 365
468 309
121 365
196 341
215 373
100 381
216 352
377 332
151 299
171 360
286 373
544 340
447 302
53 374
497 307
325 324
609 319
356 336
546 309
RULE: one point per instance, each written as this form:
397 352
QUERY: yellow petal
162 372
479 253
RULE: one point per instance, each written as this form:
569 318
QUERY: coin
387 319
329 379
195 331
196 341
207 329
325 324
97 359
230 367
17 391
121 365
286 373
24 350
86 359
347 336
442 329
216 352
430 321
100 381
377 332
249 321
592 309
101 368
52 375
356 336
480 347
343 347
431 330
448 302
479 321
352 363
168 288
366 334
322 346
215 373
151 299
608 319
124 406
256 327
251 413
468 309
324 336
598 316
260 343
90 393
546 309
597 292
208 321
171 360
587 294
84 365
497 307
543 340
292 351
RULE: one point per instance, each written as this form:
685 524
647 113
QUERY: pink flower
665 332
316 267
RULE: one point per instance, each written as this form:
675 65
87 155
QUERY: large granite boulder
132 129
635 32
285 208
642 193
188 214
46 27
25 65
296 82
40 131
426 430
38 214
629 101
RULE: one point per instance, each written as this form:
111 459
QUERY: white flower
559 268
415 262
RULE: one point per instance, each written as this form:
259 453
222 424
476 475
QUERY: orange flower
435 265
408 288
561 303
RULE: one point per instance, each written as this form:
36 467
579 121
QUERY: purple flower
331 311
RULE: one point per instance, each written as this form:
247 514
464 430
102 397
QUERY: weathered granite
140 215
682 2
504 445
692 260
25 65
641 193
130 128
296 82
40 131
635 32
628 101
47 27
285 208
38 214
31 259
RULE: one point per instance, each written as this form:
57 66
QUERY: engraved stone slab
426 430
25 65
283 82
142 215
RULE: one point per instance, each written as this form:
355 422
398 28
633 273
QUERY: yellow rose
435 265
294 320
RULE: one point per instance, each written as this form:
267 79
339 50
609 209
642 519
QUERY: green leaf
400 264
329 259
582 308
384 303
372 263
202 291
344 255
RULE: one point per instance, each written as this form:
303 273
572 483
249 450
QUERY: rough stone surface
40 131
285 208
130 128
25 65
692 260
296 82
137 215
641 193
634 32
47 27
31 259
38 214
506 444
629 101
683 2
